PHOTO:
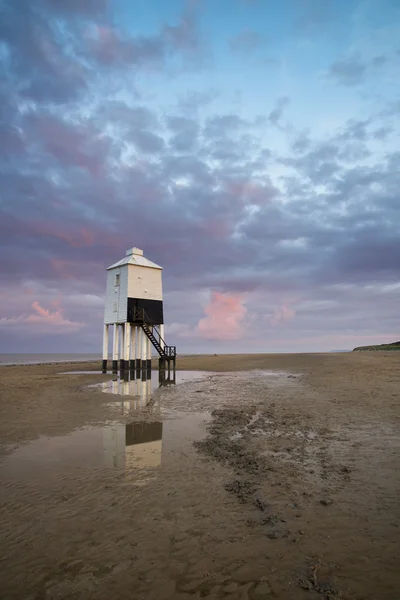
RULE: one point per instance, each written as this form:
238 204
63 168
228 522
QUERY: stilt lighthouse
134 308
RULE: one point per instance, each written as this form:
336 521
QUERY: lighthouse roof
134 256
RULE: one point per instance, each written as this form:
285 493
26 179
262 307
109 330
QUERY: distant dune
392 346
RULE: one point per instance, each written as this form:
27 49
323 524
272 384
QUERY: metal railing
140 316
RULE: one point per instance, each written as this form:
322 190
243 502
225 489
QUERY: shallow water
129 448
130 385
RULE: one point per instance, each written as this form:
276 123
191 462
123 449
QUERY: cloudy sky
250 147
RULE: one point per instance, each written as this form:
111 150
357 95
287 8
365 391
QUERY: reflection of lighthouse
140 388
133 446
114 446
143 445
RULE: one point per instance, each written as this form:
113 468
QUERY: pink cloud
282 314
56 303
225 314
42 320
42 312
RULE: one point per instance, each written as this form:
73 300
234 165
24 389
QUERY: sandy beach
272 476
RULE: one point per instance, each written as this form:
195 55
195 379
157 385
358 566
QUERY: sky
249 147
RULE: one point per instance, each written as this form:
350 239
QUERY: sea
37 359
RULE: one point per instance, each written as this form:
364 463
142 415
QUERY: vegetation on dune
392 346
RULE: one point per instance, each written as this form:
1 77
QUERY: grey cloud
207 214
194 170
319 164
88 7
185 132
276 114
353 151
356 130
270 62
352 71
348 72
130 117
226 150
134 124
193 101
379 61
322 161
392 109
68 143
314 16
301 143
382 132
369 258
55 56
110 48
222 126
37 62
11 140
247 41
148 142
184 34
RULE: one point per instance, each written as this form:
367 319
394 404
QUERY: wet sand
249 484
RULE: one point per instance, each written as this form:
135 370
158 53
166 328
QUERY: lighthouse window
117 279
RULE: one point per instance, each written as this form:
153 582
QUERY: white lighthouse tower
134 307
